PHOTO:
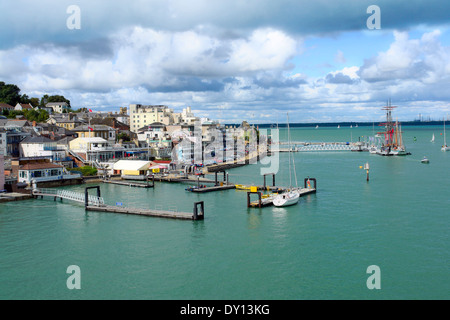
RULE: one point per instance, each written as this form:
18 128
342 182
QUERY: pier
96 203
132 183
267 200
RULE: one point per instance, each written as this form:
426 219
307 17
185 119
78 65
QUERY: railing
70 195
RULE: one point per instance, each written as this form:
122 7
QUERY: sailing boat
432 138
291 196
445 147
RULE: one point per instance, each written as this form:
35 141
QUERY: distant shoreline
344 124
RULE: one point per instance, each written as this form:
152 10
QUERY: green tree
9 93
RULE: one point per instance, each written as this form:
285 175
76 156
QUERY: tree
9 93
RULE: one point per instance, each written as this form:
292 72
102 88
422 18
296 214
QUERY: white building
41 147
41 172
58 107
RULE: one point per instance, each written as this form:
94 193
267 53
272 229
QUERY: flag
90 129
90 110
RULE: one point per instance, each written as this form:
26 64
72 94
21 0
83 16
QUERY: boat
339 126
317 127
242 187
286 198
393 140
432 138
425 160
292 195
445 147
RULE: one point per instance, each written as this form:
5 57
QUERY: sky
234 60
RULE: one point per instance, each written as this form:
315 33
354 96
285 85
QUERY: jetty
97 203
267 200
129 183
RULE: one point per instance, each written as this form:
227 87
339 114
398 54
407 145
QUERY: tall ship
393 140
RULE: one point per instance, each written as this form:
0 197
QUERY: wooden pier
210 189
96 203
129 183
150 212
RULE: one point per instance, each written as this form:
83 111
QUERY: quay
14 196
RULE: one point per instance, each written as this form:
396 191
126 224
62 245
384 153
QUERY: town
69 147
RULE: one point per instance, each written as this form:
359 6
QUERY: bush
86 170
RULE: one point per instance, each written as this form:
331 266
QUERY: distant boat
351 126
317 126
425 160
339 126
432 138
445 147
356 126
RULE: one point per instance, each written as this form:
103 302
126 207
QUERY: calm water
318 249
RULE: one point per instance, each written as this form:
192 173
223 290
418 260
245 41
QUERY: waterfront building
41 147
137 169
43 172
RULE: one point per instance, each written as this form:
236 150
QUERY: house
96 131
5 106
23 107
68 121
43 172
41 147
58 107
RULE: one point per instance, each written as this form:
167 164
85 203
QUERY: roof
39 139
37 166
26 105
5 105
56 104
96 127
93 140
136 165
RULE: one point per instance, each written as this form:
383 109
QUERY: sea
386 238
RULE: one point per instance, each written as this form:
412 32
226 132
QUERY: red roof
5 106
162 161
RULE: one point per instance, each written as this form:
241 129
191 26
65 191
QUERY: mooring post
197 215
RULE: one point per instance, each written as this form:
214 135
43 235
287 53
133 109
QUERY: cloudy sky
234 60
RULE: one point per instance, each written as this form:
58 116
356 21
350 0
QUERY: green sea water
318 249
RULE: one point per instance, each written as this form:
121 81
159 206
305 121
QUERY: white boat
432 138
292 195
339 126
425 160
286 198
445 147
317 127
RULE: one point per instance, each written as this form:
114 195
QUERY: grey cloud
339 78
